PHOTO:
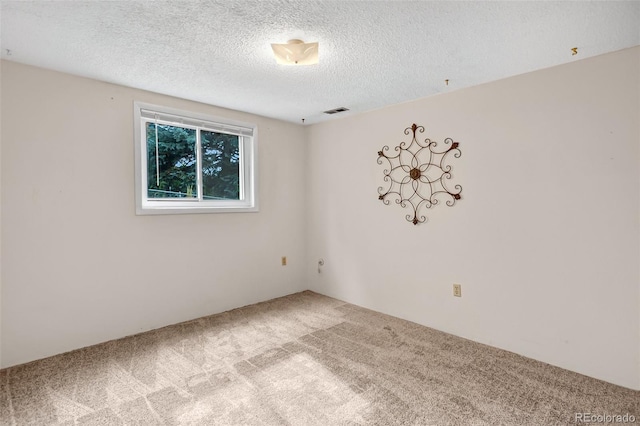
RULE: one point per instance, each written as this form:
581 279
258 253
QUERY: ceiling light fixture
295 52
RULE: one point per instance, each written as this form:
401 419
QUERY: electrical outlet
284 260
457 290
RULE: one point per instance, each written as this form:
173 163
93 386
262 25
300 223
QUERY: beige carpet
304 359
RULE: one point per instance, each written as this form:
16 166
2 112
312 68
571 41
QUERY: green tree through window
188 162
172 160
220 166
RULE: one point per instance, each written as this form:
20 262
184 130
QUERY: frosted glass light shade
295 52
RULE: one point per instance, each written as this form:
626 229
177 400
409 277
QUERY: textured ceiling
372 53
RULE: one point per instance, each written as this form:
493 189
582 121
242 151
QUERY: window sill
158 210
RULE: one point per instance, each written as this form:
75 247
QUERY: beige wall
80 267
0 219
545 241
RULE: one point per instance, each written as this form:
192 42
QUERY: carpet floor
304 359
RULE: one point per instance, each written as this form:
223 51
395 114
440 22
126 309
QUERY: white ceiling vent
337 110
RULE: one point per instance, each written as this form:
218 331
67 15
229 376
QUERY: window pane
220 166
171 162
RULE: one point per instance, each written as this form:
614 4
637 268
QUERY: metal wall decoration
418 173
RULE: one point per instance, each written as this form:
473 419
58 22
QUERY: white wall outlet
457 290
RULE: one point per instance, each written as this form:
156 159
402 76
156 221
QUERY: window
191 163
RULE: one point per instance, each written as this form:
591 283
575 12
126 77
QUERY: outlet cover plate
457 290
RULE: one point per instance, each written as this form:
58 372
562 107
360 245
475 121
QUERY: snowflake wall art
418 173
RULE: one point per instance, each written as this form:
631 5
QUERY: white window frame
247 137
